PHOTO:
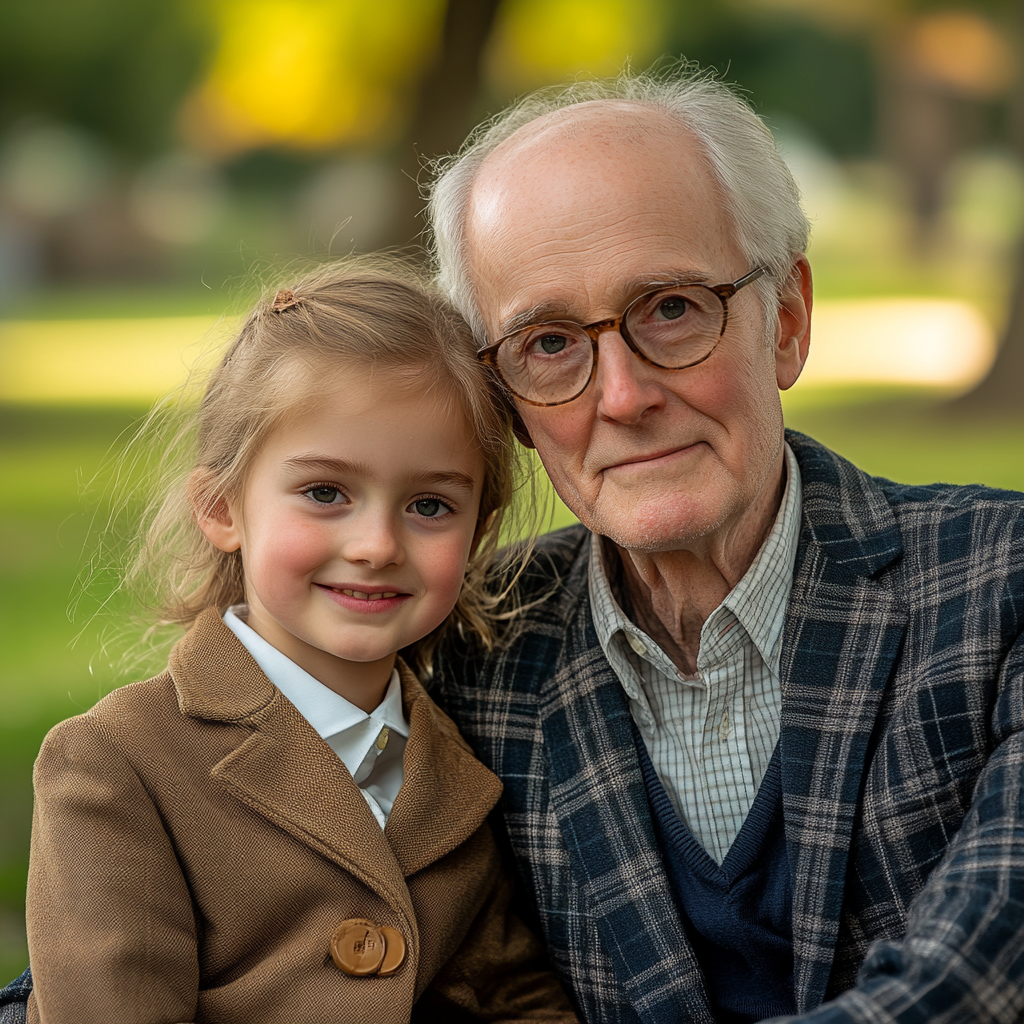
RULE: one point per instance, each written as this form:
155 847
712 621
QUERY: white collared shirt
711 735
371 746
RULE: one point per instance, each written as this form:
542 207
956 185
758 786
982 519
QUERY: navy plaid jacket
902 766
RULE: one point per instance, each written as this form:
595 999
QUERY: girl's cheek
446 567
293 547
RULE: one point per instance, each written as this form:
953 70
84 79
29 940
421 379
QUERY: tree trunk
445 106
1002 390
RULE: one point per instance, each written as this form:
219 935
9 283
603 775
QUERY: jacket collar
285 772
846 512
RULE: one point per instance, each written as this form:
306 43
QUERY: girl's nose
373 541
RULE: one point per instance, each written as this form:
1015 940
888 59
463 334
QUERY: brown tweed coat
196 843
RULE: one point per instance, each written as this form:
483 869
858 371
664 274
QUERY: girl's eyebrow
343 467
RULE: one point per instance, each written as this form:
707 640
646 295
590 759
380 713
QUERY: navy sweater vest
737 915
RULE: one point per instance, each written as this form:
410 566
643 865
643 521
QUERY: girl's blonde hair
375 315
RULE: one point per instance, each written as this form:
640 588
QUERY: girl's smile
362 602
355 527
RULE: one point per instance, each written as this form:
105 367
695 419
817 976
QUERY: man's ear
212 511
793 340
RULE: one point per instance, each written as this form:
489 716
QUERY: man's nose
374 540
625 391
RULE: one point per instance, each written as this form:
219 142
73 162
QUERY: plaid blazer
902 765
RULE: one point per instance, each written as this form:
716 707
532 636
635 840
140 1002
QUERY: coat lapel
282 770
446 792
598 796
844 628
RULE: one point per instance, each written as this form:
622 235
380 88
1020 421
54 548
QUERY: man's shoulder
552 575
868 521
536 612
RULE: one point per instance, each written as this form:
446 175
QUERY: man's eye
550 344
430 508
673 307
324 495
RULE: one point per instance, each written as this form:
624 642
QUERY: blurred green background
159 160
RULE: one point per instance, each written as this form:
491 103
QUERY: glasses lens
549 363
676 327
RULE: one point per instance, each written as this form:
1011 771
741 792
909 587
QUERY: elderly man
759 721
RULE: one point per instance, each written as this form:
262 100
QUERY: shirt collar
328 712
758 601
760 598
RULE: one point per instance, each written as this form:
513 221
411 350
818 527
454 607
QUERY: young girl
282 826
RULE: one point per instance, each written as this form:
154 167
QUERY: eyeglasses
672 327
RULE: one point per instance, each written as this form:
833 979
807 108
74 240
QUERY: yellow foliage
537 42
963 50
310 74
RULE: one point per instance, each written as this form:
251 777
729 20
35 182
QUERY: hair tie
283 300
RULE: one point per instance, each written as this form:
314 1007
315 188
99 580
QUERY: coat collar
846 512
285 772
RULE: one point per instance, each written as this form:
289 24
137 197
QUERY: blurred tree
445 105
1002 390
492 49
546 42
941 73
117 68
815 71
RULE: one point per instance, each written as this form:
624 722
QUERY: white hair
761 196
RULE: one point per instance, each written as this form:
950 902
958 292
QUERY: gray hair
762 198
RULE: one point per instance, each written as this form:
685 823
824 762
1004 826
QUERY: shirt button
636 643
382 738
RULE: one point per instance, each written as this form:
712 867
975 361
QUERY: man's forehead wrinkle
559 230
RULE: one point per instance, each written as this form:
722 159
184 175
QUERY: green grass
52 661
912 435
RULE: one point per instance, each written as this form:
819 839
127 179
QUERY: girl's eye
324 495
430 508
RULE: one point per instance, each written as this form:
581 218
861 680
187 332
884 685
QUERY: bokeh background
160 160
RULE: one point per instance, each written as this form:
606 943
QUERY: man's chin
657 528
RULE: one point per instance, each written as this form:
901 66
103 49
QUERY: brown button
394 951
357 947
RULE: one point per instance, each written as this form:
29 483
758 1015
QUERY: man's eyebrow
629 289
344 467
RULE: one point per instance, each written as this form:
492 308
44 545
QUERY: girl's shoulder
124 718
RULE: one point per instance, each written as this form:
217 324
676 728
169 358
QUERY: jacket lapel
282 770
844 628
446 792
598 796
